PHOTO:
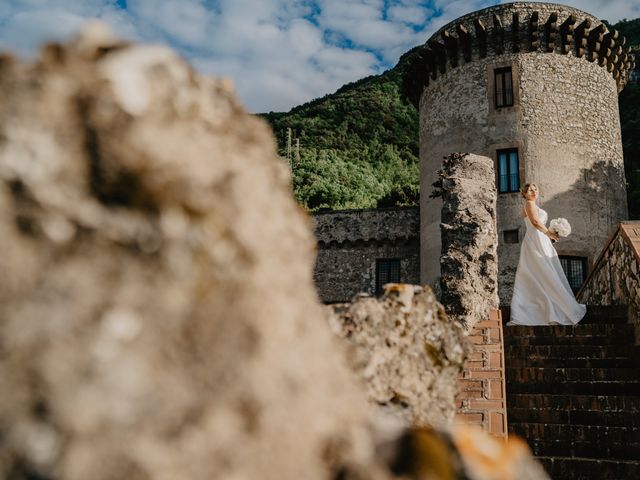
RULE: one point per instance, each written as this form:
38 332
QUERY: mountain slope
359 145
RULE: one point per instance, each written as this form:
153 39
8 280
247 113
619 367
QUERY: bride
541 292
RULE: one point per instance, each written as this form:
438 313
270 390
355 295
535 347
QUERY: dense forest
358 147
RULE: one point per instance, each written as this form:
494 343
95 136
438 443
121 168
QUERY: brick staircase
573 392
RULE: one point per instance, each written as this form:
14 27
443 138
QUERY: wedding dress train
541 292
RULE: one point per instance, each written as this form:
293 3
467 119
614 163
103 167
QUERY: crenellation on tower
516 27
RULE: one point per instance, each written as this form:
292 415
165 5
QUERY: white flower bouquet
560 226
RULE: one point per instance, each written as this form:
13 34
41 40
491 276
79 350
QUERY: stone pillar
469 263
469 284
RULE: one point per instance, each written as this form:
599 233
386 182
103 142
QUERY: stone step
580 433
602 403
595 314
571 351
606 314
551 339
602 329
573 417
559 375
562 362
575 388
580 449
567 468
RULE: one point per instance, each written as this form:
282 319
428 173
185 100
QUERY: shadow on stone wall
596 202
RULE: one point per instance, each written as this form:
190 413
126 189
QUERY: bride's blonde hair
525 187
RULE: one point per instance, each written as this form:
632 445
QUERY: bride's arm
532 213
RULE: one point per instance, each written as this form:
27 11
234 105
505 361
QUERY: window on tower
575 268
508 171
504 87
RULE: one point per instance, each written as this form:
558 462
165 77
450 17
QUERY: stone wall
564 123
349 242
615 278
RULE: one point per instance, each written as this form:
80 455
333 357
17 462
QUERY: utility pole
289 145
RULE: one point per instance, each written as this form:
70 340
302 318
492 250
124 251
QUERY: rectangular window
387 271
508 171
511 236
504 87
575 268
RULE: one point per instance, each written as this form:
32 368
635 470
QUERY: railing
615 276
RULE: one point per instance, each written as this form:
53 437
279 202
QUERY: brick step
557 375
581 449
582 433
562 362
562 468
573 417
603 403
571 351
603 329
606 314
575 388
595 314
618 339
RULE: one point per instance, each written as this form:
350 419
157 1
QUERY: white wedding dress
541 292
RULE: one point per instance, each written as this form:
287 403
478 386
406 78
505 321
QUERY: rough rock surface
148 329
409 354
469 263
615 277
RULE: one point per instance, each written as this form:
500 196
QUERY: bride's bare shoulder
528 208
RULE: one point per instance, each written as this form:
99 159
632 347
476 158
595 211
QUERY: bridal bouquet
560 226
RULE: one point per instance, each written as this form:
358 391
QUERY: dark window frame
508 182
580 264
388 270
508 236
503 87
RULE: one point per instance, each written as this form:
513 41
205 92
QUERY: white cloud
185 21
411 14
280 53
610 10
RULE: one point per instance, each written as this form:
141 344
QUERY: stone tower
533 86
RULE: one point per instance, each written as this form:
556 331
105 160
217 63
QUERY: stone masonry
408 353
350 242
615 279
469 285
468 261
564 121
482 397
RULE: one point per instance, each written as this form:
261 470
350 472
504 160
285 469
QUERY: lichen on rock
406 350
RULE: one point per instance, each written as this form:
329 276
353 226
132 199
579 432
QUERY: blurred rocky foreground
157 314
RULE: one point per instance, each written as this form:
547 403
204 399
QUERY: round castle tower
533 86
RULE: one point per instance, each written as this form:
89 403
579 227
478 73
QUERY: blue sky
279 53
